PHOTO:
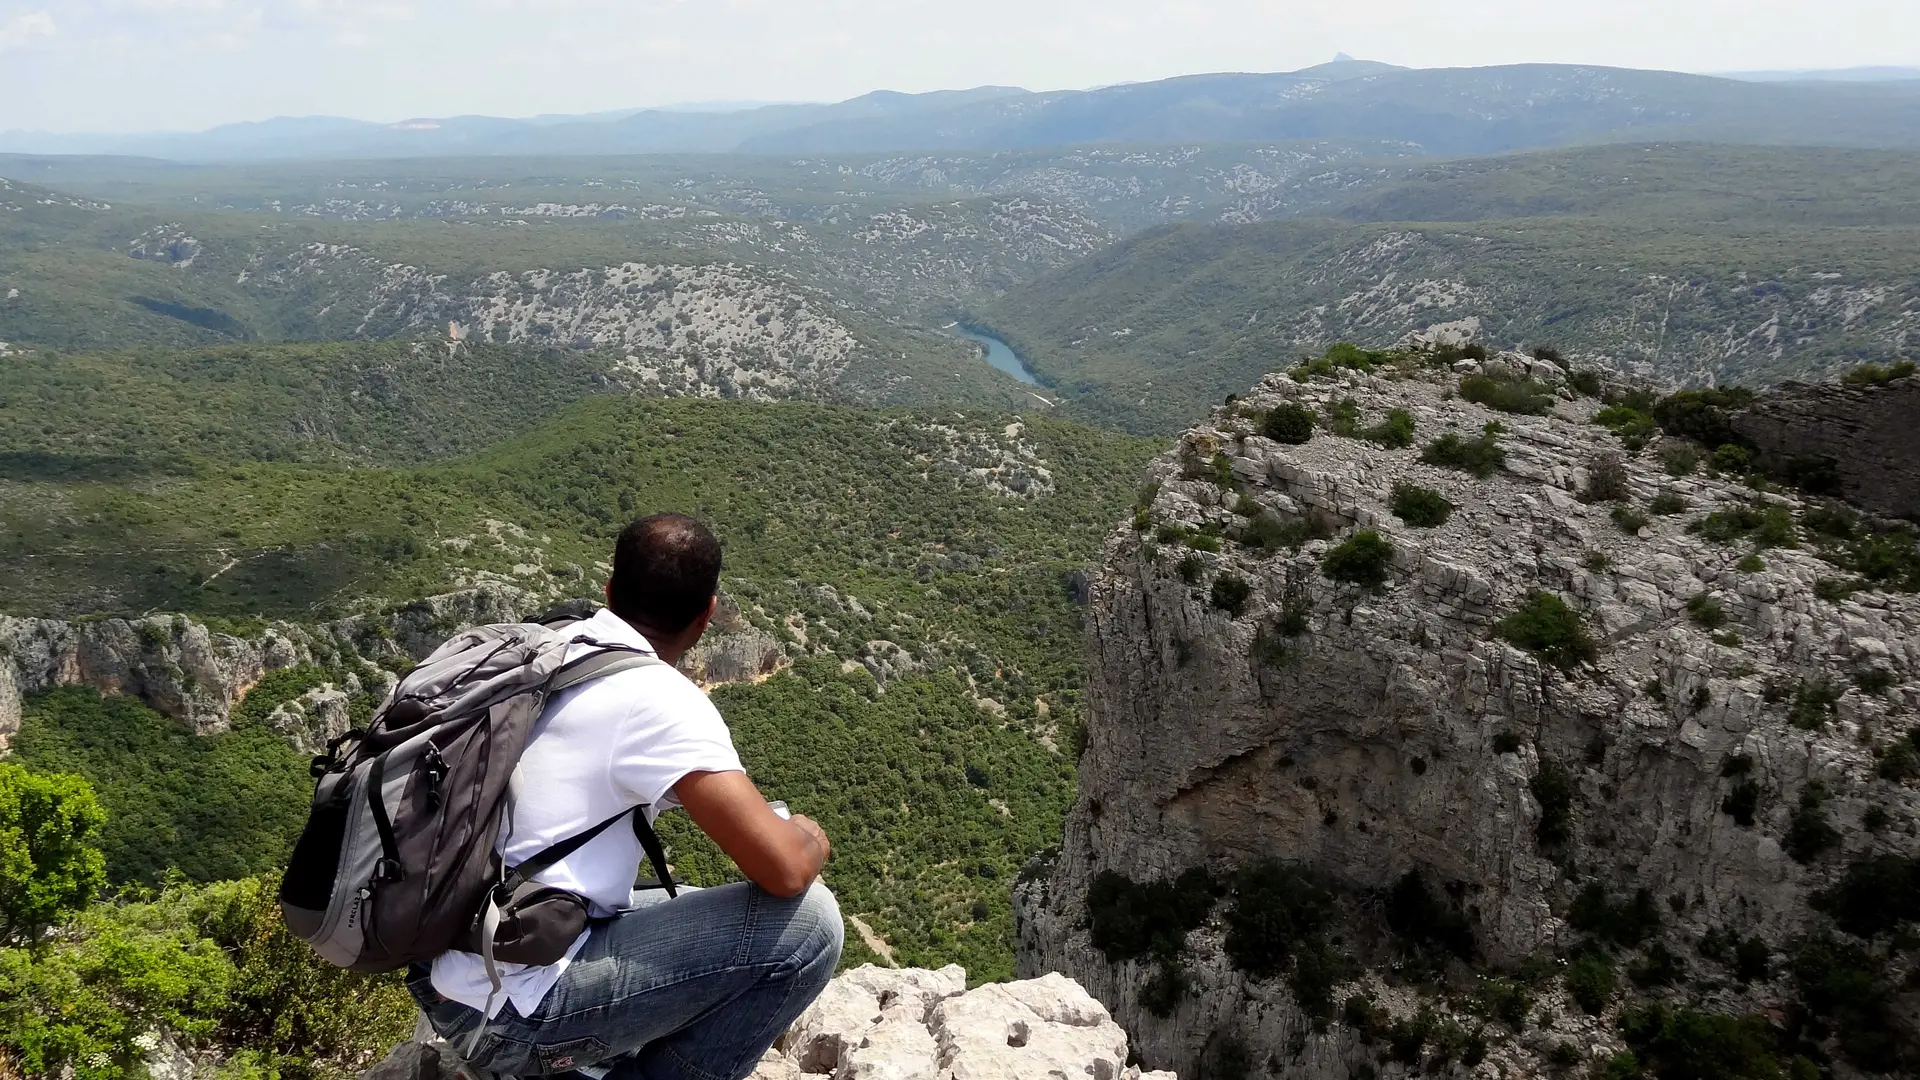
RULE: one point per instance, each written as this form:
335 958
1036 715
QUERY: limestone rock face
1866 434
1363 735
195 674
875 1023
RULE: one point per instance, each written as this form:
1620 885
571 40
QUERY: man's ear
607 591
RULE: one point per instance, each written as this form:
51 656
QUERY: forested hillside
918 569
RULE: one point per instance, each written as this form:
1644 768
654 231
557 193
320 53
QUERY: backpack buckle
387 870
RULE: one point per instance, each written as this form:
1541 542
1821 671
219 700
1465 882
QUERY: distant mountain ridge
1449 111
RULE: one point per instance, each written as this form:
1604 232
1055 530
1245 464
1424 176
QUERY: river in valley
999 354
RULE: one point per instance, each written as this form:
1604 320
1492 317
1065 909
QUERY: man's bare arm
781 856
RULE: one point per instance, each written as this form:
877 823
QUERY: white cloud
22 31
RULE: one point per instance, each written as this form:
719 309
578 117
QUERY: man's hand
807 825
782 856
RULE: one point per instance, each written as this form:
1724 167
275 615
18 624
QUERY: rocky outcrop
1244 706
196 674
1865 433
875 1023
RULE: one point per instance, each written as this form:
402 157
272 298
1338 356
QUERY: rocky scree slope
1682 745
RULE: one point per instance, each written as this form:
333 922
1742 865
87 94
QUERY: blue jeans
696 987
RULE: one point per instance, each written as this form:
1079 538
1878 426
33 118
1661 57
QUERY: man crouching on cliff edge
696 987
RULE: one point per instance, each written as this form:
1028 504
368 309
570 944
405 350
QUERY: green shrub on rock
1288 423
1685 1044
1230 594
1552 788
1548 628
1521 396
1420 507
1591 981
1127 919
1482 456
1279 922
1811 830
1362 560
1394 433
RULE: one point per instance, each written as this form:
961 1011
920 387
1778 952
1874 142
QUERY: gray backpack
397 863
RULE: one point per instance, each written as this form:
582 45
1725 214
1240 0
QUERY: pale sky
144 65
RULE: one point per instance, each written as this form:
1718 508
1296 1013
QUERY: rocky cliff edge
874 1023
1468 796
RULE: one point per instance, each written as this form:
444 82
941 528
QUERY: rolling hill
1693 264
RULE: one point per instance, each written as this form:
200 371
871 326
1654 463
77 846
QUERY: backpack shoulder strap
606 660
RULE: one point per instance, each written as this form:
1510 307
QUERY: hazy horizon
135 66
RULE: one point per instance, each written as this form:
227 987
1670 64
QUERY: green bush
1750 564
1585 382
1666 503
1279 921
1127 920
1752 960
1681 459
1770 526
1635 428
215 966
1231 593
1420 507
1591 982
1627 923
1658 967
1845 988
1684 1044
1810 831
1506 1000
1481 456
1877 895
1732 459
1814 703
1702 415
1343 418
1552 788
1548 628
1362 560
1741 802
1702 609
1394 433
1163 990
50 866
1190 568
1288 423
1606 479
1875 375
1521 396
1629 520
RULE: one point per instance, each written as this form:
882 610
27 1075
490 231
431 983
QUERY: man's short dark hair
666 567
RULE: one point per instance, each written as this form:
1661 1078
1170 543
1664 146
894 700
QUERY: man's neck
668 647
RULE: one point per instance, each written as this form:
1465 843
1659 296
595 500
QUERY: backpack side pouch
538 923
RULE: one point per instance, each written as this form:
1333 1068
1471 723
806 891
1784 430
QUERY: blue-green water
1001 355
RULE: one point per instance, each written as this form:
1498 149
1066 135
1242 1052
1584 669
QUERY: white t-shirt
619 741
